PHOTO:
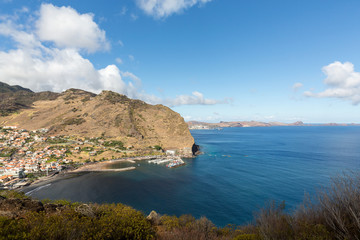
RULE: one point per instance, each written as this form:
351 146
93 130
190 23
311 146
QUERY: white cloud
134 17
164 8
194 99
68 29
120 43
342 82
131 57
297 85
119 60
39 67
123 10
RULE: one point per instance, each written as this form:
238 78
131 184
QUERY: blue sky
209 60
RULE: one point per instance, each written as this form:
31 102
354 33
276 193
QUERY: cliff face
108 114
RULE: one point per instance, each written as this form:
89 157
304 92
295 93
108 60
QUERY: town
27 155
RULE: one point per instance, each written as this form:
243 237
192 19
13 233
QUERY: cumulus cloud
196 98
35 65
342 82
297 86
65 27
165 8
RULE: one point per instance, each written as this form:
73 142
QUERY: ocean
240 170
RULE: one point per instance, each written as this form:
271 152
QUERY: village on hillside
27 155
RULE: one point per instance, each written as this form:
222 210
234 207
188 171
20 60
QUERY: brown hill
108 114
14 98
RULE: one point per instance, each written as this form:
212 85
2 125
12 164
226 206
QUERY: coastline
88 168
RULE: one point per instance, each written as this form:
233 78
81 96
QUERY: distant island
222 124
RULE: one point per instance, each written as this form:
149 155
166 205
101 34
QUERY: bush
114 144
74 121
13 194
157 147
79 221
340 206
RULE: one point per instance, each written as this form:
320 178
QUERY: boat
175 163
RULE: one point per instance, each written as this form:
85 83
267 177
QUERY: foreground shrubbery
333 214
108 222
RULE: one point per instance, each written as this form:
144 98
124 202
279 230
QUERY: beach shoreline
102 166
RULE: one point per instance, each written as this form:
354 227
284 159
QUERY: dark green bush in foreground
92 222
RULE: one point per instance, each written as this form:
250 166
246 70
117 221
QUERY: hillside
15 98
111 115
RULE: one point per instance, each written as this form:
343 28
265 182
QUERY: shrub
340 206
74 121
157 147
13 194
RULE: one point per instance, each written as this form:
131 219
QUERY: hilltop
109 115
14 98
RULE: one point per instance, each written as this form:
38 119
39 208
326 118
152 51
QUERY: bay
240 170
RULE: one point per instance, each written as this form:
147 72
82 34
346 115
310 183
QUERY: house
171 152
5 178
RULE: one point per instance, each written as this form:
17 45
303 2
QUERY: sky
209 60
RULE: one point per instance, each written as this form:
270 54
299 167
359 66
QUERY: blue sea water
240 171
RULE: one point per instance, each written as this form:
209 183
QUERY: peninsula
222 124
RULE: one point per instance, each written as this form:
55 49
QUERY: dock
115 169
160 161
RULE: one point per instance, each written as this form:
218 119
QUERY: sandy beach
89 167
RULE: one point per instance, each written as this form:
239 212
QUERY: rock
51 208
195 149
17 207
85 210
153 217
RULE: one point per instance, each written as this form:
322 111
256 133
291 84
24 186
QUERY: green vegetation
32 176
114 144
74 121
76 221
52 159
157 147
56 140
113 97
85 99
87 149
13 194
7 152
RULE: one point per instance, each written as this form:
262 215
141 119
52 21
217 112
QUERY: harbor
170 162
